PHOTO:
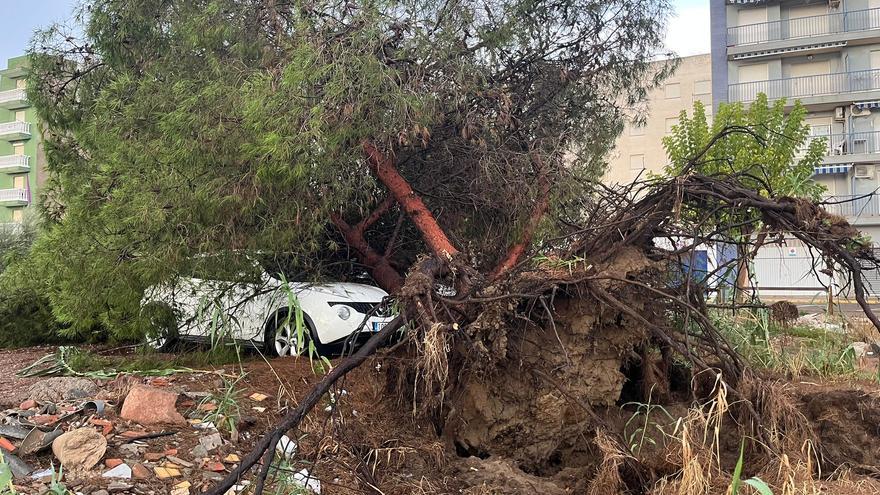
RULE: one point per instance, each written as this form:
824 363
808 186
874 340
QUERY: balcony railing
14 196
13 98
798 87
14 163
854 143
859 206
804 27
15 130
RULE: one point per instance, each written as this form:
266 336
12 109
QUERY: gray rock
101 492
130 450
199 452
118 486
62 388
211 442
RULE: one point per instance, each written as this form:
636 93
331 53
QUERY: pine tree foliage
183 127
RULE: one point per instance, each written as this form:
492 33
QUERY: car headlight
343 312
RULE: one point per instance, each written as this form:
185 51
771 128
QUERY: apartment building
826 54
20 151
639 148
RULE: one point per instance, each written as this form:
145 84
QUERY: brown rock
153 456
151 406
44 419
28 404
112 463
139 471
80 449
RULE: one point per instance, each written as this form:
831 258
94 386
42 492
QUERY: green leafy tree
336 138
774 155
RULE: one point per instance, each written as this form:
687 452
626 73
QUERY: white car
264 313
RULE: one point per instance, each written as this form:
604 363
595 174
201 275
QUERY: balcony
854 143
804 27
853 206
14 197
15 131
13 164
13 99
807 86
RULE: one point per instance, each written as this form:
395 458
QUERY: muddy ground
373 442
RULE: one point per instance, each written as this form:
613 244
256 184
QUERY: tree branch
412 204
515 252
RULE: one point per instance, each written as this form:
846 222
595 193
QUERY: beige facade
640 148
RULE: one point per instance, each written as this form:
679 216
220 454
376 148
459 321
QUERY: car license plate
378 325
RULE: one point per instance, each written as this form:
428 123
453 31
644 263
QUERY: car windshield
233 267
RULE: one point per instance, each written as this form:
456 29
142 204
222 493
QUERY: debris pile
149 433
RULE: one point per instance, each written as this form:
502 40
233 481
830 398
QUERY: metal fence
818 85
852 143
804 27
858 206
789 270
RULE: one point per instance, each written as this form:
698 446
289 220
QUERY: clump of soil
533 407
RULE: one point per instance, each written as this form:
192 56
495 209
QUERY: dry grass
607 479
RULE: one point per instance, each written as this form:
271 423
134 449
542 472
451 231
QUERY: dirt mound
847 421
534 407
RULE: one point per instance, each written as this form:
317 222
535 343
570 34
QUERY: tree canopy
321 132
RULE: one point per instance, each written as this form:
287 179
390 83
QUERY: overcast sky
688 29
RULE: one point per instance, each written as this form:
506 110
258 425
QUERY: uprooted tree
437 143
321 133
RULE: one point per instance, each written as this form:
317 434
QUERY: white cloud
688 31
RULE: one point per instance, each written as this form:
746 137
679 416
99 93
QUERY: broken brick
6 445
28 404
112 463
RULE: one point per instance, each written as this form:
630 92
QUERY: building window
20 83
703 87
636 129
18 149
636 162
673 90
19 116
670 123
17 215
18 182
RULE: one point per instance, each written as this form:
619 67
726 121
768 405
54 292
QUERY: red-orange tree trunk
412 204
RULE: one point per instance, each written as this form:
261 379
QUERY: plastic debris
122 471
286 447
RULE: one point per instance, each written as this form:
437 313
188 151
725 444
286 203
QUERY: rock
62 388
217 467
101 492
28 404
118 486
139 471
179 461
232 458
151 406
130 450
153 456
211 442
112 463
80 449
121 471
199 452
208 475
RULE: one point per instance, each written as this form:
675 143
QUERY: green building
21 156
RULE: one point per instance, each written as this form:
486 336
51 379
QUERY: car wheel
162 333
281 336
